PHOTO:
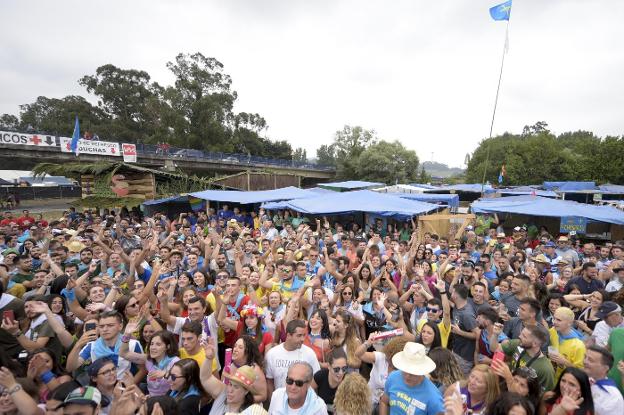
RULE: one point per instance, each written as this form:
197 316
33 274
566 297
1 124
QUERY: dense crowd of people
255 312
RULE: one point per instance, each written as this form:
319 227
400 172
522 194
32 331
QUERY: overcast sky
422 72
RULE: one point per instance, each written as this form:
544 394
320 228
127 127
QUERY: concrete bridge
24 153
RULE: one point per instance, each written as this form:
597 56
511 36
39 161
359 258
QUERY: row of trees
358 154
537 155
196 112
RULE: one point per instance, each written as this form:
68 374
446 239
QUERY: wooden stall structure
442 224
254 180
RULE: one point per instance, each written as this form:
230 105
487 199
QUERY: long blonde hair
353 396
491 382
351 340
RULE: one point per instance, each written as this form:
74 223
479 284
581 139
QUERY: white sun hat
413 360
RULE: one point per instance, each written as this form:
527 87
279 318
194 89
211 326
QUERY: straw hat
75 246
245 376
540 259
413 360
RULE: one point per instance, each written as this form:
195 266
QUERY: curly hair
394 346
447 369
353 396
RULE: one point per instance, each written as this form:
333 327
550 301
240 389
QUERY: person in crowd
605 393
610 315
283 356
464 327
326 381
408 388
571 395
297 396
567 348
447 371
353 397
185 386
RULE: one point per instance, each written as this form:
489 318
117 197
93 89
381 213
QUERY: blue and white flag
75 137
501 11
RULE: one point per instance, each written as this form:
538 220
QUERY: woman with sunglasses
346 300
185 385
326 381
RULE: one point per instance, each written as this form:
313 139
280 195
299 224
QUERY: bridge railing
234 158
186 153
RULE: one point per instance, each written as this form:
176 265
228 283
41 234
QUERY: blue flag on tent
501 11
75 137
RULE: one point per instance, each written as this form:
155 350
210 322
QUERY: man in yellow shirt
566 344
192 346
434 308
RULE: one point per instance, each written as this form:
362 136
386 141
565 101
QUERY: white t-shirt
278 360
277 405
602 331
609 402
378 376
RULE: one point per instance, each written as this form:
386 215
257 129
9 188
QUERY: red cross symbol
35 139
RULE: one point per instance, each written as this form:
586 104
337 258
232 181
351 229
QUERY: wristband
126 338
47 377
18 333
442 292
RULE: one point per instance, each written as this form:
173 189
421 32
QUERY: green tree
387 162
300 154
56 116
9 122
131 103
326 155
349 144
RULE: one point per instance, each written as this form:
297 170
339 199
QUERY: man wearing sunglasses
297 396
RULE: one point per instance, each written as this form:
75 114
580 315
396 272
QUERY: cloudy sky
422 72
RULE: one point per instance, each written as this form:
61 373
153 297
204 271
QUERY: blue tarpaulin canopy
542 206
357 201
350 185
471 188
569 186
526 190
172 199
260 196
451 201
614 189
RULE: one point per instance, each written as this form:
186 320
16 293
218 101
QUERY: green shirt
616 345
542 365
20 278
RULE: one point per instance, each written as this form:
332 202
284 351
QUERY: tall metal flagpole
500 77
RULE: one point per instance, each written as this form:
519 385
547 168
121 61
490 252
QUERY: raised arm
211 384
125 352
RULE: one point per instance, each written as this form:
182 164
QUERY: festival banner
103 148
129 152
21 139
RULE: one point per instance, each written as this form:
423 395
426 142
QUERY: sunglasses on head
342 369
526 371
299 383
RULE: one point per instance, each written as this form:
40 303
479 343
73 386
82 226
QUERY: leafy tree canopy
358 154
538 155
197 111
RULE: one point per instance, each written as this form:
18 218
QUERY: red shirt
230 336
25 221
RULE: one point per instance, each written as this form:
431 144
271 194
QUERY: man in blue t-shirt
407 389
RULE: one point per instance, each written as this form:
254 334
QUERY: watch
15 389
